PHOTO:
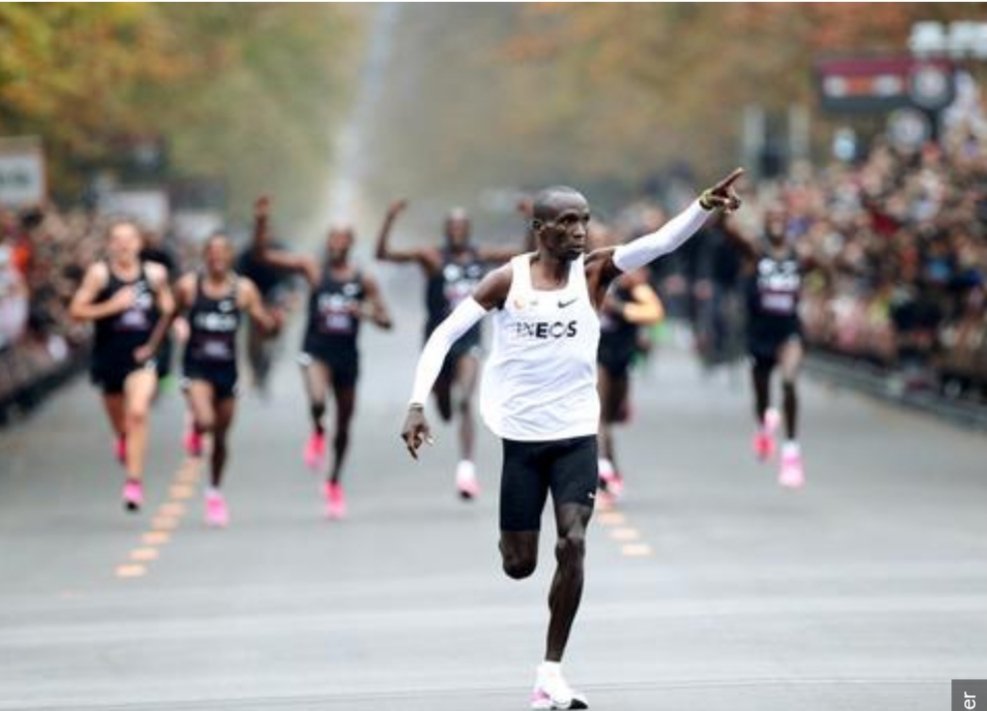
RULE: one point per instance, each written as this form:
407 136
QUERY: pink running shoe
772 418
335 501
553 692
467 484
791 475
193 443
315 451
616 485
133 494
217 514
764 441
120 449
764 445
608 477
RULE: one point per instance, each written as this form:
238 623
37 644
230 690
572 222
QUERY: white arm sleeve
468 313
668 238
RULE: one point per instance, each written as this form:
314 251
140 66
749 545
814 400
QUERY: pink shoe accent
540 699
791 475
133 494
193 443
615 487
216 512
771 420
467 484
120 449
315 451
764 445
335 501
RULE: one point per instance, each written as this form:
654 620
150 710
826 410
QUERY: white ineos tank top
539 382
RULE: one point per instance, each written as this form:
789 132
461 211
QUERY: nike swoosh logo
563 304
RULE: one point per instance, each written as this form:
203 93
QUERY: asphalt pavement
709 587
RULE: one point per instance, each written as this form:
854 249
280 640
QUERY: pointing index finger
730 179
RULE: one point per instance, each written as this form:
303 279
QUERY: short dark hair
543 206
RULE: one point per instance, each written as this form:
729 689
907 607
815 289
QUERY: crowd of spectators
904 240
43 255
900 237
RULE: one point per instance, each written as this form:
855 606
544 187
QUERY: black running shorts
222 378
110 377
343 365
566 467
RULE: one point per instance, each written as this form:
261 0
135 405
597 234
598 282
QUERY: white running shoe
466 482
792 473
553 692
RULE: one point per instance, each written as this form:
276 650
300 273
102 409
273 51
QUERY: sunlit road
710 588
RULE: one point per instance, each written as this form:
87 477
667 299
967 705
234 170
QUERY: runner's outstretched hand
722 196
416 431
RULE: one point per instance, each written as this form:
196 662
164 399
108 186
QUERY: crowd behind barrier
43 255
901 237
904 241
901 243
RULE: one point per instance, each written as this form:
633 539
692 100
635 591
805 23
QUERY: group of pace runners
566 306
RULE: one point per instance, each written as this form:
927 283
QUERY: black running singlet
116 337
453 284
615 331
773 294
213 324
332 323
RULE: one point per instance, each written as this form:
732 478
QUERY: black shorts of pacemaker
110 377
222 378
566 467
764 348
463 348
616 361
343 365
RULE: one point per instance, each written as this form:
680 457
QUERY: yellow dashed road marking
181 491
636 550
625 534
166 519
612 518
130 571
155 538
164 523
172 508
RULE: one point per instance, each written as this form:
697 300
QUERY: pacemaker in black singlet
210 354
333 328
618 338
117 337
772 303
444 292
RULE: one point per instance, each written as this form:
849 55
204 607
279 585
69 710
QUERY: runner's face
218 256
125 243
340 242
776 224
564 234
458 232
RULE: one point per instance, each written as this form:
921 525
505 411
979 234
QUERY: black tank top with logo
773 294
117 336
332 324
618 336
213 325
453 284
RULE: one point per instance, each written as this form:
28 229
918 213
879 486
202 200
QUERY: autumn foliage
243 92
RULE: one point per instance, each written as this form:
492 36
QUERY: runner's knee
571 547
205 422
518 566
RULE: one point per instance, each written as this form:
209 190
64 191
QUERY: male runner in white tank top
538 392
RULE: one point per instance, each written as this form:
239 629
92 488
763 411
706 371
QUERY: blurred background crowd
43 254
880 157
